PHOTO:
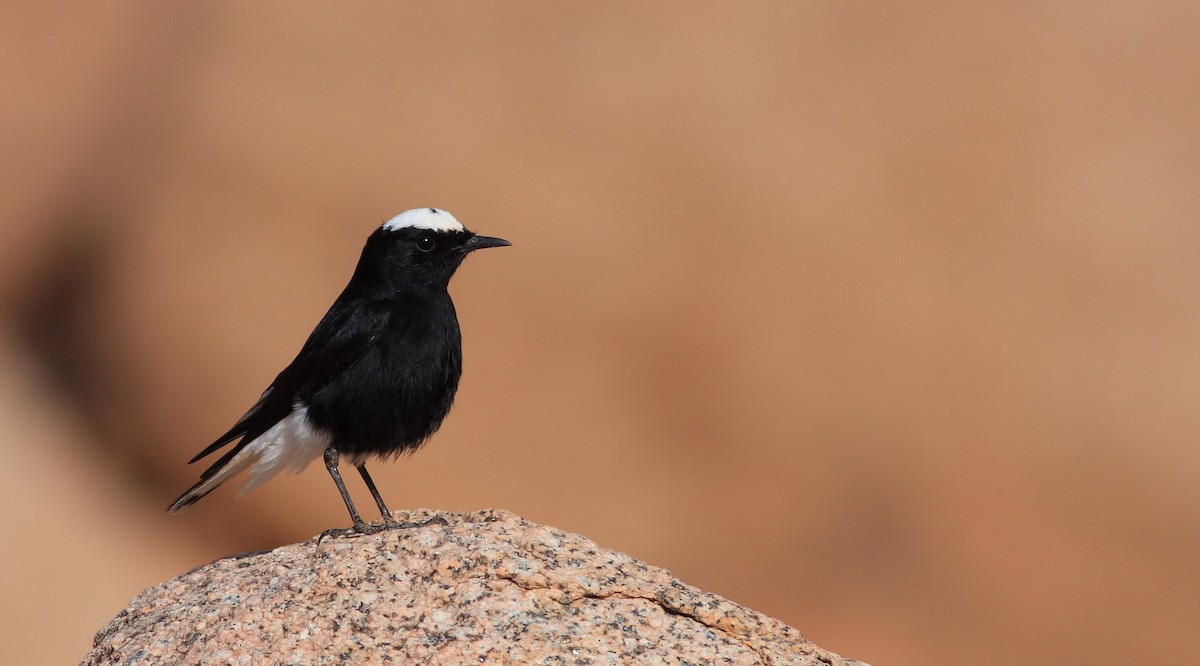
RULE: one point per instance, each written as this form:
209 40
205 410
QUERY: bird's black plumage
377 375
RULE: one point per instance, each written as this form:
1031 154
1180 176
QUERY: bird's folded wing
343 336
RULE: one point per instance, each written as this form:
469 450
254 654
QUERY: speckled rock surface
487 587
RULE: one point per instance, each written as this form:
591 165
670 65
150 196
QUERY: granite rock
486 587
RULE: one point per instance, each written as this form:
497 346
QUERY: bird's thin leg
388 519
331 464
387 514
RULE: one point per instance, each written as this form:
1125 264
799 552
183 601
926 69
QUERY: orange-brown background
881 320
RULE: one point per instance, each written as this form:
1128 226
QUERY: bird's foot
359 528
333 533
390 522
421 523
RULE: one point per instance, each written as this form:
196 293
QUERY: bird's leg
388 519
331 464
387 514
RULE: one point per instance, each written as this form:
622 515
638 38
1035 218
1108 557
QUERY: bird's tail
224 469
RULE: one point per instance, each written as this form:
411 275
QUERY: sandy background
882 321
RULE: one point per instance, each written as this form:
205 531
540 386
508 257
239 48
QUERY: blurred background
883 321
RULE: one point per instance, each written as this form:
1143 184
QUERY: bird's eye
426 243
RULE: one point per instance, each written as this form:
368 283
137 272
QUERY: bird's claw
357 529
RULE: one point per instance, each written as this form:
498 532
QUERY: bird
375 378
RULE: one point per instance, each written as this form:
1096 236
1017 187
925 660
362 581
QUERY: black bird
377 375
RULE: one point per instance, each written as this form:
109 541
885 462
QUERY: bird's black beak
481 242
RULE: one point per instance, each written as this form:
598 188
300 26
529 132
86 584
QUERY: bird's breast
395 396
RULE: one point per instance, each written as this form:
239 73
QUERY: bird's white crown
433 219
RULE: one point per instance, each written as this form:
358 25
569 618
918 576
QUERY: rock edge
485 587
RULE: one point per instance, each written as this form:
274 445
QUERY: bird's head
421 247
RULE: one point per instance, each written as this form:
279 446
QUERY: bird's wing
238 428
343 336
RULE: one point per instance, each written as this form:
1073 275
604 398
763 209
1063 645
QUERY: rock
486 587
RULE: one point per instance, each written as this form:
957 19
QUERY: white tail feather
289 445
